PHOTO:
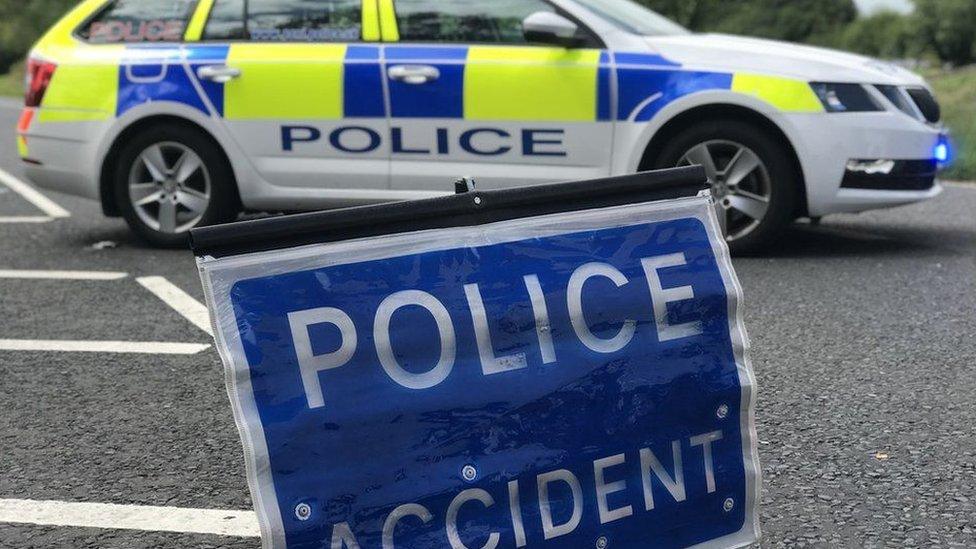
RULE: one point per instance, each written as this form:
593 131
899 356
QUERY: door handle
414 74
221 74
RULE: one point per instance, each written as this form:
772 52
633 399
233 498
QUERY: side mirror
550 28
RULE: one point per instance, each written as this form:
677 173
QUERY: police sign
557 366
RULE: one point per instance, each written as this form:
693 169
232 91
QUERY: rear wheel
750 174
171 179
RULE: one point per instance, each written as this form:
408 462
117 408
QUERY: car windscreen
633 17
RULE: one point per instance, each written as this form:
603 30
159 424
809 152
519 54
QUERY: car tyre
751 174
170 179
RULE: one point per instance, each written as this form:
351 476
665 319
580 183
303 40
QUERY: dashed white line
42 202
33 219
61 275
112 347
178 300
130 517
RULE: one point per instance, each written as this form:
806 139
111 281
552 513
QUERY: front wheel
750 175
171 179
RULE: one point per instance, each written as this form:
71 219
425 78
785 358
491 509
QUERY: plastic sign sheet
568 380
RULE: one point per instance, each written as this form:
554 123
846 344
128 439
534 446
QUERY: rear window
285 20
122 21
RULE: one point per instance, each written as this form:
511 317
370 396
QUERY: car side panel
508 115
286 107
100 90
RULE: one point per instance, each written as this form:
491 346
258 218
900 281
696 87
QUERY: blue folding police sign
576 379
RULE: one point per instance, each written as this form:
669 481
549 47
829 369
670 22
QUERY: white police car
179 113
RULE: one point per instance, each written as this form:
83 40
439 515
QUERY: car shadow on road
116 234
108 238
802 240
847 240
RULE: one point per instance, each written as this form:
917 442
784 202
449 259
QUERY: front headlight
838 97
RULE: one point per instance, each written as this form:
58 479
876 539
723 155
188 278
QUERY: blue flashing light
943 152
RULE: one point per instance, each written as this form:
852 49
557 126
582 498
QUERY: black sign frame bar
459 210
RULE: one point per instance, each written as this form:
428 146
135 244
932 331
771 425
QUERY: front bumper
890 175
827 143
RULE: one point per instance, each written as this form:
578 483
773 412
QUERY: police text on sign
564 379
491 363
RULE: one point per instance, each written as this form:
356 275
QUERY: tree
688 13
949 28
793 20
885 34
22 22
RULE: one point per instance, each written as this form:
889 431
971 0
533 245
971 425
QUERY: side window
139 21
226 21
478 21
285 20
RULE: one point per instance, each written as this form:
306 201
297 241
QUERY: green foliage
22 22
943 28
954 89
12 83
887 35
949 28
793 20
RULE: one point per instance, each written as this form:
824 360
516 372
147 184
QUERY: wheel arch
106 173
711 111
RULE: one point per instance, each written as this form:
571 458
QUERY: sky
870 6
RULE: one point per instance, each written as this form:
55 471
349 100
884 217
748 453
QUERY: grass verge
12 83
956 91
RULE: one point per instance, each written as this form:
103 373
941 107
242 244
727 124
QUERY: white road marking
960 185
42 202
61 275
25 219
242 524
180 301
114 347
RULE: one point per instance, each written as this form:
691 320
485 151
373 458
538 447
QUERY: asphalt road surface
863 345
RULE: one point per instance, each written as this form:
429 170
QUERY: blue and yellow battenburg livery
329 81
392 102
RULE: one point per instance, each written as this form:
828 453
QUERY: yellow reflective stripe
70 115
285 81
194 31
86 88
530 83
371 21
388 21
22 147
786 94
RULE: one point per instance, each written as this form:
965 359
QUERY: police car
180 113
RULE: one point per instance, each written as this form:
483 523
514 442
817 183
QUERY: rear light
26 117
39 75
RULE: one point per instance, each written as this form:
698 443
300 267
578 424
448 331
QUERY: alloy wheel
169 187
740 183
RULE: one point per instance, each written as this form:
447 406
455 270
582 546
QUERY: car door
303 93
470 96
